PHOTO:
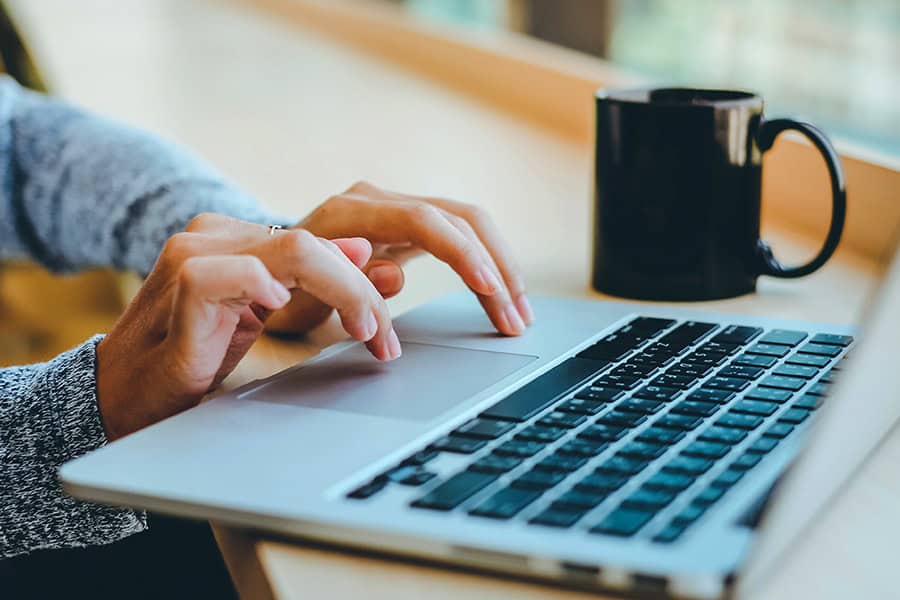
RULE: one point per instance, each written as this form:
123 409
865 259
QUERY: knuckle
202 222
189 273
177 248
476 215
361 187
299 243
423 213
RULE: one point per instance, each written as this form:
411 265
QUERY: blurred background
835 61
209 72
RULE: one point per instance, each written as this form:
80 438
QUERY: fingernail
524 307
371 326
281 293
516 324
394 350
380 277
488 284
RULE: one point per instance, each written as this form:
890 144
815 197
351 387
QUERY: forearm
81 191
49 415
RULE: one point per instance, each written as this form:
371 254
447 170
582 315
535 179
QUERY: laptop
614 446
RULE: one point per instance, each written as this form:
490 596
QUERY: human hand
205 303
401 227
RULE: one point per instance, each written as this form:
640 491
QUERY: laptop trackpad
422 384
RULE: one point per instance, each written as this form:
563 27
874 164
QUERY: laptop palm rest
426 382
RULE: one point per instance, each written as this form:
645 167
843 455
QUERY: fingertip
524 308
510 321
281 294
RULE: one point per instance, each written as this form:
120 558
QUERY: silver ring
274 228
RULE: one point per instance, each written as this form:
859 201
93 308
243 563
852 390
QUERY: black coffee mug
678 177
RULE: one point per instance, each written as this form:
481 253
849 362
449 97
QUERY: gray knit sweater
78 191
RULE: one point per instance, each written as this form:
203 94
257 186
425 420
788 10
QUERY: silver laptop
613 446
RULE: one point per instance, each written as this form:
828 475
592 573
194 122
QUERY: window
835 62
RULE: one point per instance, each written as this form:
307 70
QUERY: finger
211 294
381 218
499 307
386 275
489 234
358 250
301 260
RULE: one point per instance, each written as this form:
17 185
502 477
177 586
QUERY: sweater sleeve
49 415
79 191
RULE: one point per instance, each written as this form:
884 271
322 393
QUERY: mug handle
765 137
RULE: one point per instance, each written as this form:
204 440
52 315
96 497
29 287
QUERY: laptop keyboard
685 400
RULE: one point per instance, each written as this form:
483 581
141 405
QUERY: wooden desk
294 117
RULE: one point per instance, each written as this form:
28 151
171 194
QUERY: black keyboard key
654 392
455 491
581 407
779 430
625 419
746 461
540 393
711 395
622 522
688 465
668 380
621 465
695 371
810 360
672 482
731 384
739 421
634 370
638 405
821 349
409 475
709 450
737 334
642 450
557 518
741 371
755 407
583 448
696 409
369 489
458 445
648 500
561 462
495 464
519 449
809 402
784 337
705 359
679 422
574 500
653 359
763 445
755 360
603 433
562 419
720 348
651 325
688 334
709 496
722 435
537 479
769 394
785 383
599 394
796 371
832 339
659 436
622 382
605 352
769 350
728 478
601 483
506 503
793 416
421 457
819 389
544 435
689 514
668 535
829 376
484 429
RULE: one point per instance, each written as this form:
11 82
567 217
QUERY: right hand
206 302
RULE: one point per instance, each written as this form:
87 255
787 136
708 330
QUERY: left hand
400 227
